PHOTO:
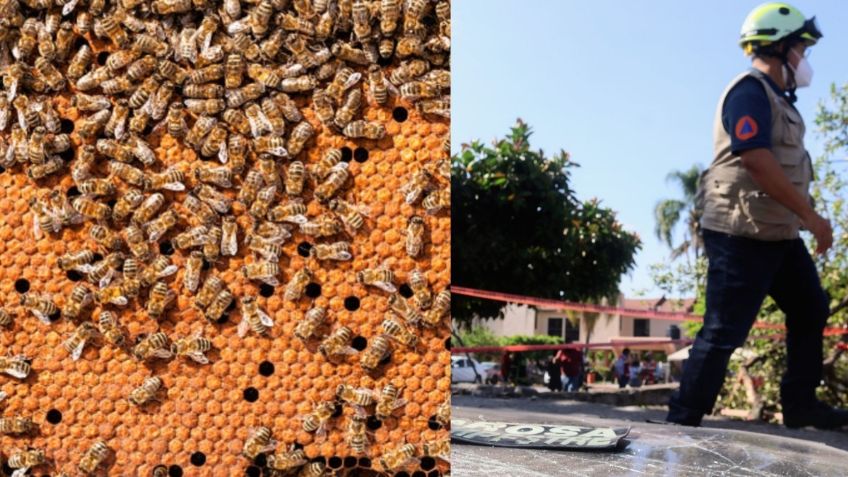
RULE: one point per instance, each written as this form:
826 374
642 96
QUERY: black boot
818 415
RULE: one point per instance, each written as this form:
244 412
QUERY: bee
316 421
75 343
194 237
422 297
54 79
199 130
63 209
40 171
79 298
193 347
250 186
414 236
147 391
229 240
194 264
79 62
397 458
443 413
159 226
203 106
148 208
329 160
237 120
295 178
293 212
253 318
5 318
161 267
298 84
274 116
160 297
361 17
206 75
269 232
79 261
41 306
234 67
116 125
357 437
322 227
259 123
222 301
17 425
364 129
152 346
129 174
271 46
260 17
96 187
24 460
379 85
172 179
333 183
44 218
94 78
438 448
141 68
441 305
93 457
176 125
35 147
297 284
200 210
298 138
265 75
350 54
136 243
348 109
325 25
259 442
354 396
218 201
263 271
438 107
207 292
399 306
399 332
336 344
388 402
344 79
389 15
381 278
240 96
101 273
333 251
288 107
313 469
165 68
220 176
274 145
323 107
117 293
264 198
408 70
293 23
268 250
308 327
409 45
287 461
436 201
353 216
107 325
416 187
141 150
15 366
386 48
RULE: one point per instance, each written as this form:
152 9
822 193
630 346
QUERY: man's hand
821 230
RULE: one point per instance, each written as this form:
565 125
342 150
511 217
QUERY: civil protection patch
746 128
536 436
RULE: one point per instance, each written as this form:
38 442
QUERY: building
575 326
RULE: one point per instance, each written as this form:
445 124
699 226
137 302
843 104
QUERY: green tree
517 227
669 212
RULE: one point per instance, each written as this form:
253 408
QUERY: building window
641 327
572 331
555 327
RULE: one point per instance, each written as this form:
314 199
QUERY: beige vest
729 200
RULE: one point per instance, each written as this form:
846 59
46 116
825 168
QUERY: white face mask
803 72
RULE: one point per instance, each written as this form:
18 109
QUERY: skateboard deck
536 436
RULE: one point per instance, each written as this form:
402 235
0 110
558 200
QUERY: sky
629 89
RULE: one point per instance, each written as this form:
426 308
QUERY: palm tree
669 212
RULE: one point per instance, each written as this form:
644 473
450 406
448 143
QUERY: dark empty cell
338 411
434 473
400 114
349 462
428 463
79 42
313 290
205 265
2 169
73 275
98 257
101 60
251 394
22 285
401 474
231 306
448 344
112 202
428 20
54 416
433 424
405 291
359 343
253 471
158 470
266 290
384 61
166 248
319 459
335 462
347 154
148 128
373 423
385 360
266 368
360 154
175 471
261 460
72 192
365 462
351 303
297 445
223 319
303 249
55 316
67 155
66 125
419 473
198 459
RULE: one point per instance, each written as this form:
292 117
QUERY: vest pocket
759 207
793 129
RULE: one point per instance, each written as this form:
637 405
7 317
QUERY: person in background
571 365
506 364
635 371
621 368
553 369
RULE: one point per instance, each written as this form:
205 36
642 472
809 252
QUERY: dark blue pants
742 272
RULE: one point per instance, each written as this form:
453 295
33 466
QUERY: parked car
493 372
462 371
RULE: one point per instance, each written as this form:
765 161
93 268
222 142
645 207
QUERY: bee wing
41 316
386 286
352 80
343 256
119 300
269 447
77 351
107 278
391 87
243 326
69 7
15 373
84 268
271 281
36 229
229 245
359 411
20 472
162 353
223 153
174 186
199 357
168 271
399 403
265 319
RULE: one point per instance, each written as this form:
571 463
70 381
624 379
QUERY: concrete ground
720 447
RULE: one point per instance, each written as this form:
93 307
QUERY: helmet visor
810 30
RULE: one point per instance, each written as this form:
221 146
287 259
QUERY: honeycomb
206 412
